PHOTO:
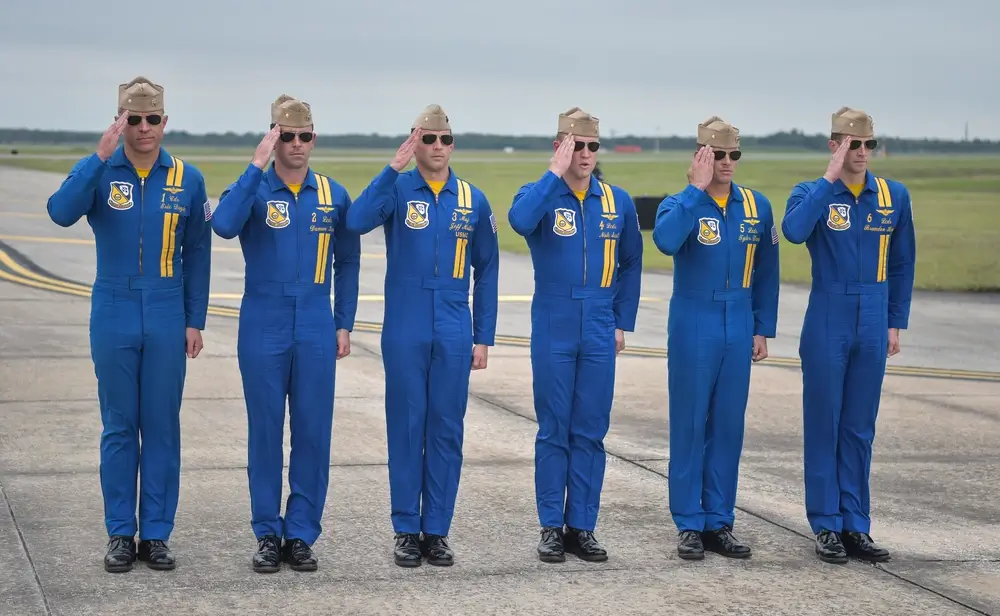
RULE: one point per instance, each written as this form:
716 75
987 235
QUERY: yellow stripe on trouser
462 243
323 239
749 211
884 203
170 220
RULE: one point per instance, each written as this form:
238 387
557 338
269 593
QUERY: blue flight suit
863 252
154 259
725 292
587 258
428 331
287 345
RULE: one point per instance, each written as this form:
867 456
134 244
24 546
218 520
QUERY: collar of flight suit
594 189
119 159
451 185
276 183
870 185
734 194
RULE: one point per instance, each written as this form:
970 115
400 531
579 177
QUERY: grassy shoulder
956 201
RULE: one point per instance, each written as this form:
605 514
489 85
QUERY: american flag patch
493 223
208 210
774 234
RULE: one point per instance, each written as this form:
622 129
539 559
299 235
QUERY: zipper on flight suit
583 225
729 254
861 269
142 203
298 244
437 233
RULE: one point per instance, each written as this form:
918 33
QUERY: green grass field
956 200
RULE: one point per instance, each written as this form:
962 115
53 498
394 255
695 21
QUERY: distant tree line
785 140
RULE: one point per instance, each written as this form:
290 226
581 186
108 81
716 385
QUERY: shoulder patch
208 210
493 223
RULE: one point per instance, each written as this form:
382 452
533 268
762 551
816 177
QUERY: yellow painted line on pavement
381 298
48 239
26 277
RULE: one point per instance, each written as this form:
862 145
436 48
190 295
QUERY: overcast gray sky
919 67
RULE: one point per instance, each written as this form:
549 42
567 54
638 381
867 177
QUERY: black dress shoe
689 545
407 550
585 545
829 548
267 558
437 550
121 554
860 545
156 555
298 555
723 542
551 546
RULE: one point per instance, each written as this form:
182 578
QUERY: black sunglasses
593 146
734 155
153 120
870 144
430 139
289 137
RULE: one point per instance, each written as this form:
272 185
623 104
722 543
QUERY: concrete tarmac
935 492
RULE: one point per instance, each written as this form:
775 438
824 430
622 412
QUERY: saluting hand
563 156
837 161
702 168
405 152
109 140
263 153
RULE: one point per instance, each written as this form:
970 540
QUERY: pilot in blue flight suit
150 215
291 225
586 250
723 308
436 226
858 228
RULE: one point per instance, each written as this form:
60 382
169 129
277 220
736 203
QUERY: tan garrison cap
278 101
853 122
141 96
718 133
293 113
432 117
578 122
